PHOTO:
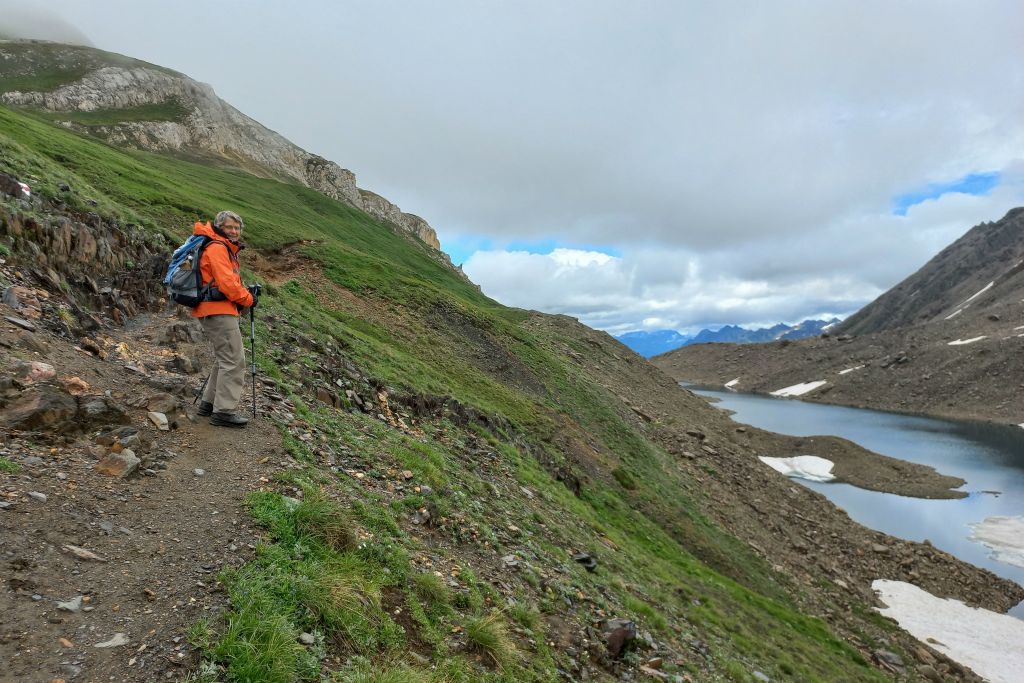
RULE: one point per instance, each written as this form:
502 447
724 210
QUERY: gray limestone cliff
165 111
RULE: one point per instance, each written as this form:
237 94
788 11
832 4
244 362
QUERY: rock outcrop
195 121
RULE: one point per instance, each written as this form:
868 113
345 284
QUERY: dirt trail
164 536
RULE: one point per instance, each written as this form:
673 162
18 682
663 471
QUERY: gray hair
218 222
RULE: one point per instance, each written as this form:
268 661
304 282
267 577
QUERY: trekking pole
252 352
202 390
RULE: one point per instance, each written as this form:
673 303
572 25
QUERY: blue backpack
183 280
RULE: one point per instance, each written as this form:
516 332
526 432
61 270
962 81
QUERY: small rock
879 548
889 657
426 490
307 639
5 505
82 553
118 640
118 464
655 662
526 492
589 563
72 605
91 346
10 297
20 322
198 472
64 642
928 672
35 495
761 676
407 474
76 386
159 419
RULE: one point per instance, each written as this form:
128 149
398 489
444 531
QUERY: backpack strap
209 291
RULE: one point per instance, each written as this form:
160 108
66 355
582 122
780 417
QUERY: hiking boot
228 420
205 409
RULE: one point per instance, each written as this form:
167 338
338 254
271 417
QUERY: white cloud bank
741 157
831 271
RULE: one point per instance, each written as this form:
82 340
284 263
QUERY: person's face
232 229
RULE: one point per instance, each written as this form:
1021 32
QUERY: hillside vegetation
449 456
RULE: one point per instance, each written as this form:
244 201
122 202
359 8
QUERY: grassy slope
306 579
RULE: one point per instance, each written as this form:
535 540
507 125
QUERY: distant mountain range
649 344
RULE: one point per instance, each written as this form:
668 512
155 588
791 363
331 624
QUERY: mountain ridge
946 341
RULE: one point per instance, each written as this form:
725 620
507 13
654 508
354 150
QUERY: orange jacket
219 264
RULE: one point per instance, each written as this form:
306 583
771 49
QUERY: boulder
617 635
45 408
162 403
100 411
33 371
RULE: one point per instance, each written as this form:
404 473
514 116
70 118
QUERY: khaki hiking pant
224 388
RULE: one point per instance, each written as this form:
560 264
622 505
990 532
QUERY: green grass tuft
9 467
488 635
432 590
323 520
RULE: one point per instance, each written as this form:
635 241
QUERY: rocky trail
106 574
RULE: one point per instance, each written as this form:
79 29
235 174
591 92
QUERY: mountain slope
443 459
980 270
129 102
946 341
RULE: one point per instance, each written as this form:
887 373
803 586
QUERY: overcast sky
636 164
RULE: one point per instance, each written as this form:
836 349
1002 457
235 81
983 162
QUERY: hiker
219 318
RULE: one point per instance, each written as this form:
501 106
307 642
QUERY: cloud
832 272
745 150
23 21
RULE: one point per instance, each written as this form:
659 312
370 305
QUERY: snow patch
961 342
809 467
986 641
799 389
731 384
954 314
977 294
843 372
1004 536
1018 328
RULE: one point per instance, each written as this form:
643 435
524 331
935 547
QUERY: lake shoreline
855 464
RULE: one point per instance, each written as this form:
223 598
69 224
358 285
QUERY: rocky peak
187 117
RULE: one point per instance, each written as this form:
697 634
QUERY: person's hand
255 290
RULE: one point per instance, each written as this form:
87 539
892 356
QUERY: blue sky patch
462 247
974 183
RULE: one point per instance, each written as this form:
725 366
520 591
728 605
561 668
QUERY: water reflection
990 458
